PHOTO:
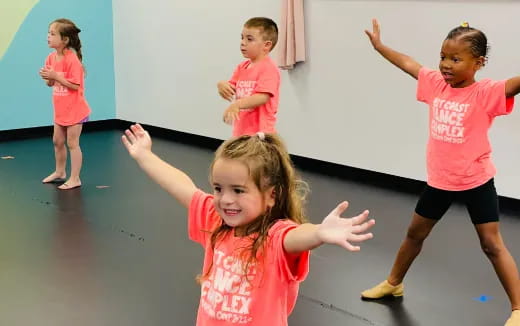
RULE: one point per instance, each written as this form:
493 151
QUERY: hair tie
464 24
261 135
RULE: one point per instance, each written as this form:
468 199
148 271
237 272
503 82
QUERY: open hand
137 141
341 231
375 35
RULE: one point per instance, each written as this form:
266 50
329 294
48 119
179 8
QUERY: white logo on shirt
447 121
59 89
226 294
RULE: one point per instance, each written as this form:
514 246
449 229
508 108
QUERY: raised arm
333 230
139 145
402 61
513 86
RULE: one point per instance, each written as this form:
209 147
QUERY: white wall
344 105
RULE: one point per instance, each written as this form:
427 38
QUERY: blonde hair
270 166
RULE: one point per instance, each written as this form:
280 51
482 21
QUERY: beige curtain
291 36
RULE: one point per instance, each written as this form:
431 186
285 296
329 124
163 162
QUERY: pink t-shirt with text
459 152
248 79
70 106
269 293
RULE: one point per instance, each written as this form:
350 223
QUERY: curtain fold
291 36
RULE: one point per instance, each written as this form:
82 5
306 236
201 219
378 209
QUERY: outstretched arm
333 230
139 145
513 86
402 61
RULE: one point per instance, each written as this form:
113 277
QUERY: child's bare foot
70 184
55 177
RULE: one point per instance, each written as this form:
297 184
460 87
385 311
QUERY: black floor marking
341 311
115 228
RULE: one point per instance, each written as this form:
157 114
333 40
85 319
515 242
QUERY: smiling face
236 197
458 64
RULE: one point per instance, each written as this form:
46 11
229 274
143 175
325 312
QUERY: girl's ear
66 40
481 62
270 199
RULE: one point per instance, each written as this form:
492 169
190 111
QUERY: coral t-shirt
70 106
248 79
267 296
459 152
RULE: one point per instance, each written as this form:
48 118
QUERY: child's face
458 65
252 44
236 197
54 39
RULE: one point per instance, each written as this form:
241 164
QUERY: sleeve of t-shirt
492 96
268 80
290 267
74 71
48 61
234 78
428 83
202 217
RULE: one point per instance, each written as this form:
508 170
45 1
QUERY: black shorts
481 202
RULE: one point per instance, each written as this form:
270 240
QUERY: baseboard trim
378 179
37 132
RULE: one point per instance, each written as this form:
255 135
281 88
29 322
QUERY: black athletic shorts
481 202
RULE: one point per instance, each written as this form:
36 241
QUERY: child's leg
410 248
493 246
431 206
76 157
60 154
482 204
418 231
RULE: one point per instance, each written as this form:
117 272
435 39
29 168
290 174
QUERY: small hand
48 81
375 35
231 114
137 141
226 90
48 73
340 231
41 74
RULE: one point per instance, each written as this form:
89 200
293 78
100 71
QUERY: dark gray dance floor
121 256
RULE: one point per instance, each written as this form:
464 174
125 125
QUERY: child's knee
58 142
416 235
72 144
492 245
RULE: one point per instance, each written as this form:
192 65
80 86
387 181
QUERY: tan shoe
514 320
384 289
